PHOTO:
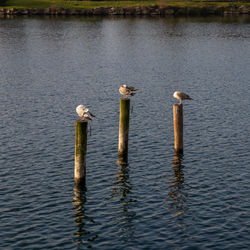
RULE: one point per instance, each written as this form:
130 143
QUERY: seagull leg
89 130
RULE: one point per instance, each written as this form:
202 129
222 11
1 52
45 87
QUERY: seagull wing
87 117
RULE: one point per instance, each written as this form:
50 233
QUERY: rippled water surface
159 200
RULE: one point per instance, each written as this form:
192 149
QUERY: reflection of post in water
122 190
82 236
177 167
122 180
177 194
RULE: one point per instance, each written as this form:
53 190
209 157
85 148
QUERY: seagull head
175 95
81 106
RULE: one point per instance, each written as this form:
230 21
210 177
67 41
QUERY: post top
81 121
178 105
125 99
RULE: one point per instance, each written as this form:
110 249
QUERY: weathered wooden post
124 127
80 152
178 127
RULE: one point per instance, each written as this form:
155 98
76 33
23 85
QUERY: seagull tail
187 97
92 114
132 94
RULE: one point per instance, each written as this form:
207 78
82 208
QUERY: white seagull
126 90
181 96
84 112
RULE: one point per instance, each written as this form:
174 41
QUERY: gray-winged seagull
84 112
181 96
126 90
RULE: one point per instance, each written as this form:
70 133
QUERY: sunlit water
159 200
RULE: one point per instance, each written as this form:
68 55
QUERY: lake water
159 200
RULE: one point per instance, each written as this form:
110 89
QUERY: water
159 200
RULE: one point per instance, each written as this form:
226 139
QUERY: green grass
75 4
203 3
94 4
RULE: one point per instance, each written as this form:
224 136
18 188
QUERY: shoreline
130 11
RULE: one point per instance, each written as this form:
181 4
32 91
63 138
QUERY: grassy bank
67 4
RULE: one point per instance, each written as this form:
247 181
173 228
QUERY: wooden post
178 127
80 152
124 127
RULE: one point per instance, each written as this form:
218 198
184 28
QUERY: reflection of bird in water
181 96
84 112
126 90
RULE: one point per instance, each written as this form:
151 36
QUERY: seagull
126 90
84 112
181 96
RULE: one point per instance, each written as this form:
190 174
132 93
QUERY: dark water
158 201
